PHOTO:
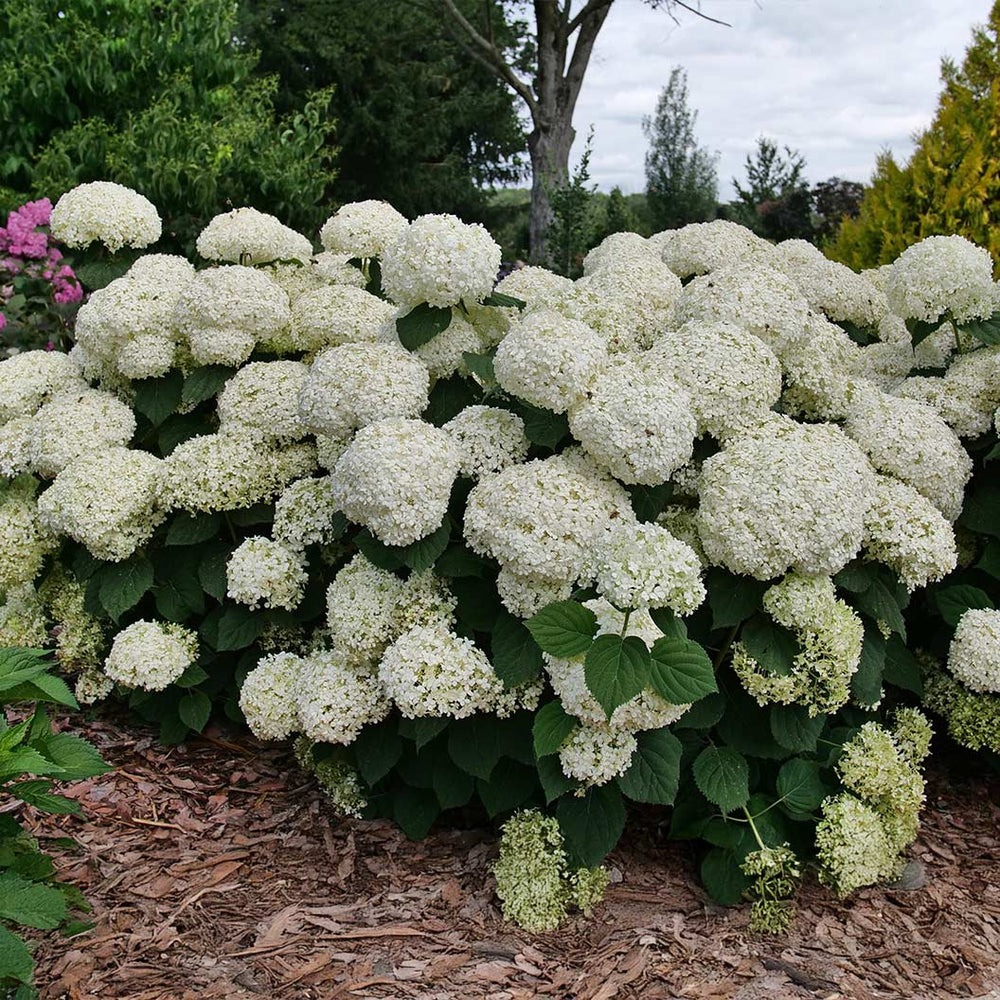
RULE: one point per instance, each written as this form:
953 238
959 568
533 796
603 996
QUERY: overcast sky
836 79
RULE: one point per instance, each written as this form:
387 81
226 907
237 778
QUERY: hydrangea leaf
517 658
655 772
376 751
772 645
591 823
732 598
205 382
987 331
682 673
800 785
415 810
503 300
123 585
194 709
866 682
551 727
723 777
421 325
509 787
794 728
157 398
192 529
563 628
953 602
722 876
920 330
617 669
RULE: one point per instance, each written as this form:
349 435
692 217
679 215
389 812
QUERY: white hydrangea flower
443 354
524 594
643 565
92 686
395 478
261 401
336 314
647 710
226 310
548 360
537 286
151 655
817 370
74 424
542 518
489 439
329 448
264 573
243 232
853 846
619 248
883 364
107 213
429 670
440 260
908 440
337 269
25 539
974 655
362 610
30 378
362 229
111 501
942 274
595 755
335 700
732 377
355 385
707 246
15 453
791 496
904 530
304 513
268 696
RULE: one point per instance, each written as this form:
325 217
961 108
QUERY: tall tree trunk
549 150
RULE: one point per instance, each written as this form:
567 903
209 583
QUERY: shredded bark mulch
216 871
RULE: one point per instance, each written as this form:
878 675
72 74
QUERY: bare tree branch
589 8
697 11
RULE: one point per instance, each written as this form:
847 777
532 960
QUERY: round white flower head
595 755
644 566
15 456
549 360
362 608
263 573
30 378
362 229
878 771
853 846
792 496
489 439
261 401
636 423
751 295
74 424
904 530
440 260
107 213
92 686
225 311
395 478
908 440
537 286
336 314
335 700
429 670
444 354
620 248
25 540
524 594
732 377
245 232
231 471
151 655
305 513
647 710
23 621
883 364
267 698
974 655
942 274
110 502
355 385
542 518
329 448
337 269
706 246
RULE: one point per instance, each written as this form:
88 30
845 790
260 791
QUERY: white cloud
838 80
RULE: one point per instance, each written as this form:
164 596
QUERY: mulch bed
216 871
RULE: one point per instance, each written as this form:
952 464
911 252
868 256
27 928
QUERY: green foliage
572 228
776 202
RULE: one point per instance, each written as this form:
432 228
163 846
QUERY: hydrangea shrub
544 546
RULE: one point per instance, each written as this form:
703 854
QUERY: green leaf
501 299
239 627
655 772
860 334
856 577
517 658
648 501
551 727
592 823
452 786
461 561
682 672
30 904
989 561
449 397
194 709
212 571
554 781
794 728
921 330
543 427
509 787
157 398
255 514
985 330
732 598
25 760
670 624
192 529
180 427
415 810
480 364
563 629
37 793
101 273
378 553
124 584
617 669
205 382
800 785
901 667
423 553
426 728
772 645
883 601
476 744
981 510
953 602
47 688
421 325
723 877
74 755
703 714
376 751
866 683
723 777
191 677
15 960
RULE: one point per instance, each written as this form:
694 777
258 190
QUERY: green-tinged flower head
874 769
340 783
22 619
852 845
775 872
80 640
973 719
912 734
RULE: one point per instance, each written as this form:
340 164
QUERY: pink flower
66 287
3 321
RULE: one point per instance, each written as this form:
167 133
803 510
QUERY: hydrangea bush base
545 547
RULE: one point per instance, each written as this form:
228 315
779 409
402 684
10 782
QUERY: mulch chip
216 871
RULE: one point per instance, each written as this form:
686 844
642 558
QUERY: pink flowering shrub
39 291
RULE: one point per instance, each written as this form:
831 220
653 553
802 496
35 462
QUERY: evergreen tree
777 201
952 182
681 180
619 217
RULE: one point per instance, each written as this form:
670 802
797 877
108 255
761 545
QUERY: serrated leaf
551 727
773 646
193 529
15 960
866 682
212 571
452 786
458 560
901 667
480 364
953 602
194 709
563 629
124 584
74 755
25 760
421 325
205 382
722 877
648 501
423 553
376 751
882 601
981 510
157 398
50 688
30 904
703 714
554 781
794 728
517 658
682 672
723 777
617 669
987 331
426 728
543 427
476 744
37 793
504 300
732 598
655 772
239 627
509 787
668 623
800 785
592 823
415 810
989 561
920 330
